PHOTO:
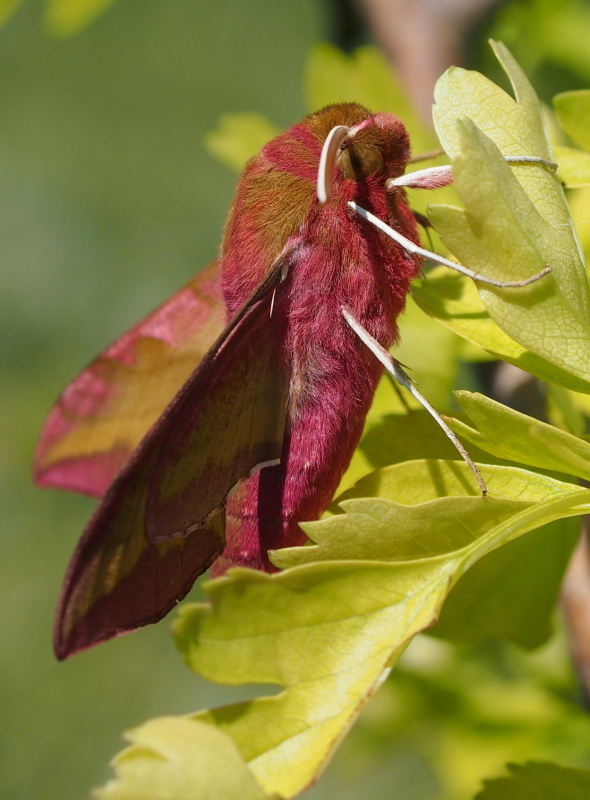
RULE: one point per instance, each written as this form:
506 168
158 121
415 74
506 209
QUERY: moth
228 416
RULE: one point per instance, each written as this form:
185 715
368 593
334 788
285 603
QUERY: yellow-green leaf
517 437
573 114
574 166
517 220
330 632
176 758
411 511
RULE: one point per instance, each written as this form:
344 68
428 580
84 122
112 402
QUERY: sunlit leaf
573 113
411 511
517 221
574 166
175 758
509 434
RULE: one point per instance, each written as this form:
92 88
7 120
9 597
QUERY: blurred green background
110 202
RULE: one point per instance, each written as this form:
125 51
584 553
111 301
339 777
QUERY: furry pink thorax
334 259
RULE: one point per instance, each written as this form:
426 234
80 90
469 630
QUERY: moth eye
359 160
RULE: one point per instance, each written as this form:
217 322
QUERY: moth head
377 147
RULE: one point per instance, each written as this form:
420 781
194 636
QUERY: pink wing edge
175 322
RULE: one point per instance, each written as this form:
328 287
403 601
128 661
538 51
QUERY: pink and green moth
209 444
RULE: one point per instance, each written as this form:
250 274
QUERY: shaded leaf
511 593
563 410
406 436
538 781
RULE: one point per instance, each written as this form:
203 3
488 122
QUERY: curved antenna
330 151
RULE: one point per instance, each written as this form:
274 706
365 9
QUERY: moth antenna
415 249
429 178
330 150
394 368
436 177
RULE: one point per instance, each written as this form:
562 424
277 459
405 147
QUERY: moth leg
394 368
415 249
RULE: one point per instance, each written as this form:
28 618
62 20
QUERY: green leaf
327 632
563 411
574 166
538 781
454 301
67 17
517 220
511 593
573 114
514 436
238 137
176 758
420 502
330 632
